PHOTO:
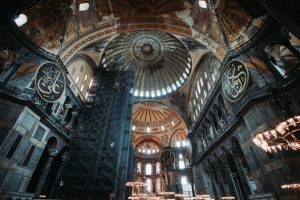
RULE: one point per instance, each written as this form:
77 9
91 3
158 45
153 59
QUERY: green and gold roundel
235 80
50 82
167 158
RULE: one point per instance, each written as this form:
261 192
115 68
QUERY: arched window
148 169
149 184
77 79
201 82
183 180
21 20
157 168
205 75
181 162
284 61
198 87
139 168
157 185
186 186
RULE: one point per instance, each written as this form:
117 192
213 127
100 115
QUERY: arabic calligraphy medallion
50 82
235 80
167 158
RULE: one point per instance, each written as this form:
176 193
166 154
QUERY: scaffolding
100 155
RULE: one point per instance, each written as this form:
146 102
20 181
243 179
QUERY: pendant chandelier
283 136
293 186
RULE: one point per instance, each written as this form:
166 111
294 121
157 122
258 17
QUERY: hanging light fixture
283 136
293 186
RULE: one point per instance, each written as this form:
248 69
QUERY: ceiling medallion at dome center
147 49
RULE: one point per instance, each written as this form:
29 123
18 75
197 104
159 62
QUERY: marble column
217 194
192 183
67 109
8 74
56 184
74 115
52 153
241 172
224 114
229 178
215 131
205 139
218 172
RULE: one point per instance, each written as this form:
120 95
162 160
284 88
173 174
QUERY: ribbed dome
155 126
154 118
152 114
160 61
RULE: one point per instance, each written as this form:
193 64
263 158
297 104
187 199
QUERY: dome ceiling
151 114
154 118
161 62
155 125
60 27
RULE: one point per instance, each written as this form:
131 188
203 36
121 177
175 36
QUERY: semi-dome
155 126
155 116
160 61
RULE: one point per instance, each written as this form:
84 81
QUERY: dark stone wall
266 172
22 142
268 100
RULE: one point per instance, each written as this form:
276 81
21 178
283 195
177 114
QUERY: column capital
207 168
52 152
65 158
74 113
215 164
68 106
235 152
223 158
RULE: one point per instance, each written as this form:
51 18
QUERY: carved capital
235 152
74 113
52 152
68 106
65 159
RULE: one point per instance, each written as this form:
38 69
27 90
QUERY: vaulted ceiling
59 27
154 123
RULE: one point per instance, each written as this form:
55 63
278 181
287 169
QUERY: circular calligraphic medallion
167 158
235 80
50 82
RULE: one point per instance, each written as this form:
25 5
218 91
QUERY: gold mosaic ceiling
155 125
151 114
60 28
